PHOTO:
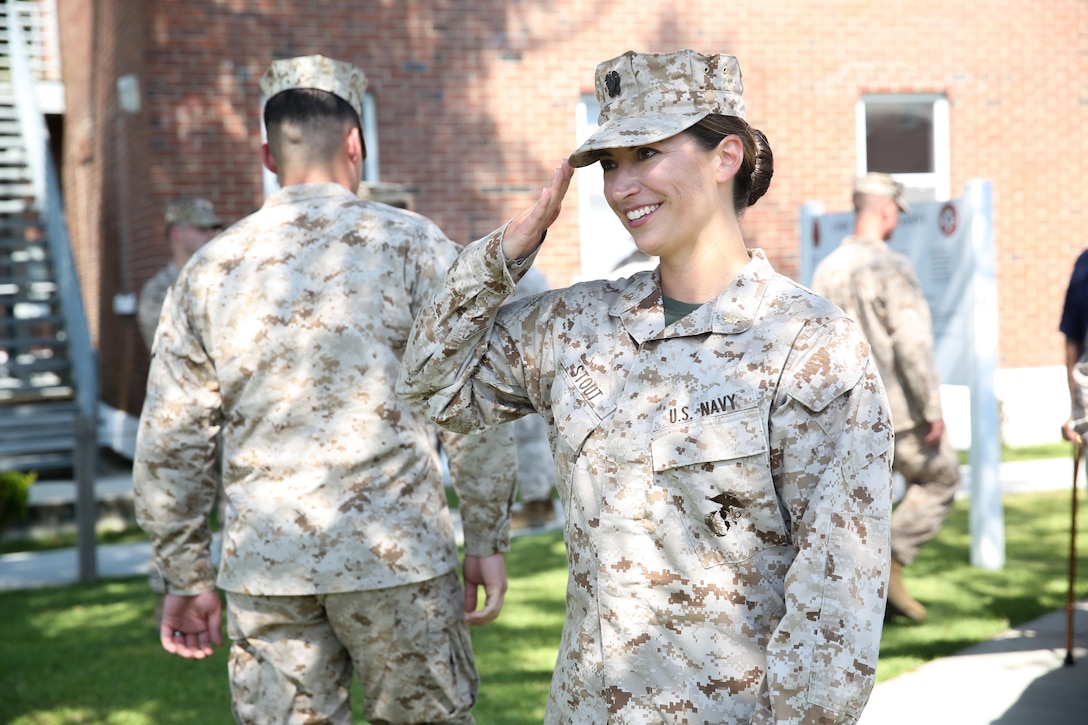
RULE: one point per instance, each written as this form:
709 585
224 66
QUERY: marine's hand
525 232
1068 433
191 625
936 430
490 573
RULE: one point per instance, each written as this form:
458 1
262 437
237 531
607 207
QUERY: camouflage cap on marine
648 97
194 212
340 78
882 185
337 77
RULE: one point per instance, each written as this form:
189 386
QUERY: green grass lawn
67 539
968 605
89 654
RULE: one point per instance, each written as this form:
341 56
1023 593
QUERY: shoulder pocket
578 406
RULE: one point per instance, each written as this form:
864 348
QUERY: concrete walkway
1017 678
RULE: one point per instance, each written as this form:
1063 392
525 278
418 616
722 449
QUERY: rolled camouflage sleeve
832 446
149 306
910 327
483 469
173 470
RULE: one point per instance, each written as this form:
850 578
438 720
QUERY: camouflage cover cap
194 212
882 185
648 97
339 78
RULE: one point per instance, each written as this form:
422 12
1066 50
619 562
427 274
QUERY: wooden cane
1072 562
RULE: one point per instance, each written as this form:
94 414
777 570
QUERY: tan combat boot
533 515
900 599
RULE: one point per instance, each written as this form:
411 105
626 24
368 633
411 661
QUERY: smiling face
672 196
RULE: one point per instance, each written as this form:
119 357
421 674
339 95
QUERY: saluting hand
525 233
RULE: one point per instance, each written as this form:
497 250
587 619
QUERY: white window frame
370 136
940 179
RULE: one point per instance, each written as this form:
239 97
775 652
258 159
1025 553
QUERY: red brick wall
476 105
107 201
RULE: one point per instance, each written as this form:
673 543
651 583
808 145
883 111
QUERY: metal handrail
47 199
38 18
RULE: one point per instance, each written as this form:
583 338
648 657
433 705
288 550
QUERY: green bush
14 493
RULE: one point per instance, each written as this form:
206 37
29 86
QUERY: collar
861 240
730 313
307 192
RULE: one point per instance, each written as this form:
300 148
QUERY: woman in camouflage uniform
721 437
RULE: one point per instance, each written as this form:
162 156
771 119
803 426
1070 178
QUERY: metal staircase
48 381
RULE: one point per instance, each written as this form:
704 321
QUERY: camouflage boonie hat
337 77
194 212
882 185
648 97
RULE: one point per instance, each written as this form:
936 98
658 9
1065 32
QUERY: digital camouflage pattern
194 212
298 655
726 483
536 469
344 80
877 287
649 97
285 334
152 294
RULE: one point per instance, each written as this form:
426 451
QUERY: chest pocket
717 471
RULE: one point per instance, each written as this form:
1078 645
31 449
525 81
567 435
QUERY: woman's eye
645 153
607 164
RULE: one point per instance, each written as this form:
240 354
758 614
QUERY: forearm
910 326
1073 350
483 469
835 600
448 357
174 508
916 367
174 472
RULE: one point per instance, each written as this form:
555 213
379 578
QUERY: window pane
899 137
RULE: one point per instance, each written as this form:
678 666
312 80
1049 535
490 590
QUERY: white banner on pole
935 236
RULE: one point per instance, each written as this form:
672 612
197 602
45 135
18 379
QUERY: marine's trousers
292 657
933 478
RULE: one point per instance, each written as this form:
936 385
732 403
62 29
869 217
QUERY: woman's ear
730 154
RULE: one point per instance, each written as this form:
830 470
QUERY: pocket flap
719 438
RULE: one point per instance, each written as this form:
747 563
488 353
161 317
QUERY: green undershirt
675 309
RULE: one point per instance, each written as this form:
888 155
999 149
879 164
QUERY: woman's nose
624 181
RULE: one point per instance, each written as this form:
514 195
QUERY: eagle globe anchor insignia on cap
649 97
612 82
